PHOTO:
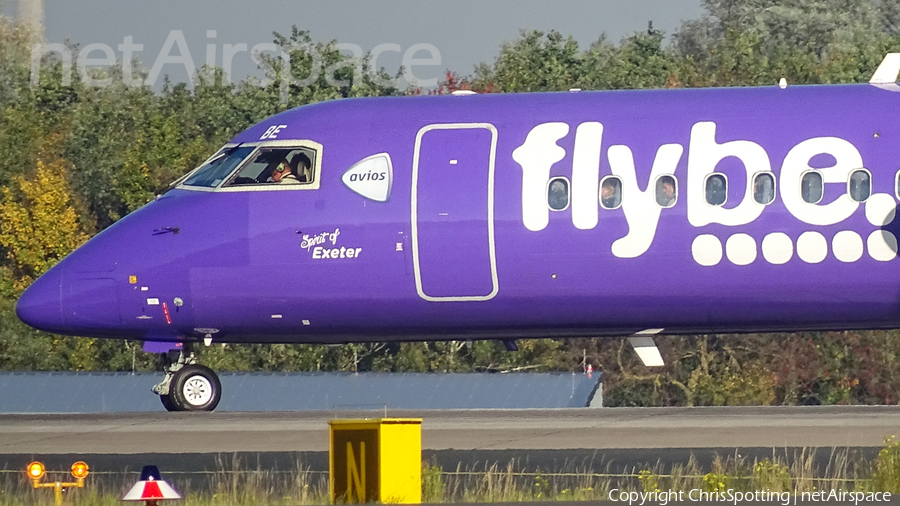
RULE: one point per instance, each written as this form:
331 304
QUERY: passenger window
217 169
285 166
716 189
666 191
860 185
611 192
764 188
558 193
811 187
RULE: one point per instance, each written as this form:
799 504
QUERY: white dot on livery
777 248
741 249
882 245
880 209
847 246
812 247
707 250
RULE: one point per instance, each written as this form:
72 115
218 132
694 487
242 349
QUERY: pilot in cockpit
286 172
301 164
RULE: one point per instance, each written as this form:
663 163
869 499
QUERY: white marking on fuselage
881 209
812 247
272 132
777 248
797 162
541 151
491 165
536 156
586 175
707 250
882 245
372 177
847 246
320 253
704 155
740 249
640 208
321 238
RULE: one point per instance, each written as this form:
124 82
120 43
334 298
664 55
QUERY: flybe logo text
540 152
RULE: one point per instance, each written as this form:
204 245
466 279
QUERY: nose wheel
193 388
189 386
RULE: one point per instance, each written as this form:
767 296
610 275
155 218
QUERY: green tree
757 42
639 61
537 61
38 225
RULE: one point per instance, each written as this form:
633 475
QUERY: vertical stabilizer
885 76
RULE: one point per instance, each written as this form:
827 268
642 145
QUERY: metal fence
68 392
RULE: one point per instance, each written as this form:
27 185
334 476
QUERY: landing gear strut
187 385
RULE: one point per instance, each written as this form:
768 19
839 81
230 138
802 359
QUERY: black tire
195 388
167 403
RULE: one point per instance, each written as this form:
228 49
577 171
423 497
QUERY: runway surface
604 428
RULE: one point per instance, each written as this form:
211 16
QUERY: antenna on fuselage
645 347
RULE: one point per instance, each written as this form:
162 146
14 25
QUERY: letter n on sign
376 460
354 465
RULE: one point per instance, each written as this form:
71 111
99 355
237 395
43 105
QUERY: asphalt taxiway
558 429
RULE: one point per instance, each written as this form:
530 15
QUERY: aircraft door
453 212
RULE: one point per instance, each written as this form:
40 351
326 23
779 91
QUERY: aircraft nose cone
41 304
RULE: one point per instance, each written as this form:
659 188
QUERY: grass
234 483
231 483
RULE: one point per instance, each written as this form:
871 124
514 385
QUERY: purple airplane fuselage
434 218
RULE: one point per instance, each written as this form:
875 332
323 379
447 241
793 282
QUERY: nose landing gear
188 386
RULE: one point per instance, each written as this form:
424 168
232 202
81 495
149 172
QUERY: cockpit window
217 169
285 166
